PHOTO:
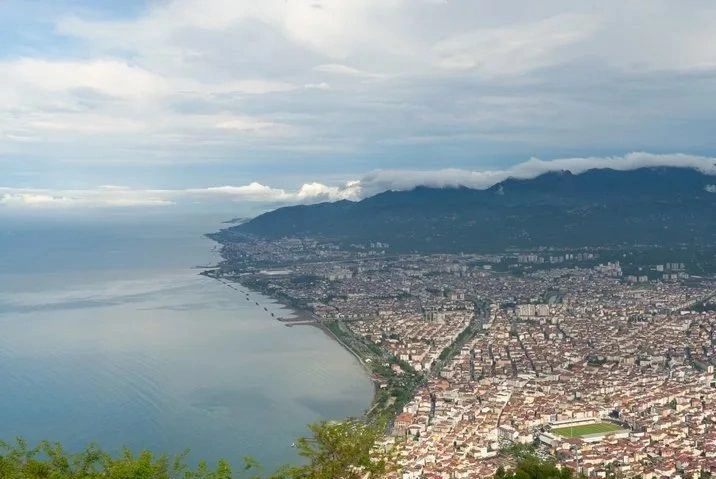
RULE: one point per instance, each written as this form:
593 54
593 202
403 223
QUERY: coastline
360 359
394 380
300 316
303 317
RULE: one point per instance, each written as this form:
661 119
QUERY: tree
51 461
532 468
335 450
343 450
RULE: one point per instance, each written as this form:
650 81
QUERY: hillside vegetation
665 206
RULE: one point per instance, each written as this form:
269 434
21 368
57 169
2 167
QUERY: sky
154 104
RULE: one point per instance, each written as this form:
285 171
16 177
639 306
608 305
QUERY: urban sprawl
607 371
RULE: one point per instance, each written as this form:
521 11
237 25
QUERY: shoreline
358 357
301 316
304 317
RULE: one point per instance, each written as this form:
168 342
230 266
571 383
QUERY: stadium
588 430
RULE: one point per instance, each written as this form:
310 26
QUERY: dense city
604 367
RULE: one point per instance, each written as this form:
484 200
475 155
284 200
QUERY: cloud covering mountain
372 183
179 92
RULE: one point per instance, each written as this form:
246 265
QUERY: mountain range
664 206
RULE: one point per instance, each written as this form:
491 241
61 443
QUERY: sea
109 335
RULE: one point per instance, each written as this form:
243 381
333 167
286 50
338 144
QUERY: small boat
265 308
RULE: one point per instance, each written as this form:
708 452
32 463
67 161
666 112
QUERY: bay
108 334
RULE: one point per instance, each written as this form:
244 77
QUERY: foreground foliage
335 450
533 468
345 450
50 461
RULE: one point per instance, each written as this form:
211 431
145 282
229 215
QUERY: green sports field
587 429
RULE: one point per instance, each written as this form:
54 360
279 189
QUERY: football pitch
586 429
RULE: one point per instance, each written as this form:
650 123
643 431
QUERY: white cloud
228 81
245 124
42 199
251 192
333 28
382 180
109 76
337 69
344 70
318 191
516 48
257 87
113 196
317 86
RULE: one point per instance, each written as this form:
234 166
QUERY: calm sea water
109 335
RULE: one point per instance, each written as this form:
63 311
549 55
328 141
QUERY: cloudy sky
158 102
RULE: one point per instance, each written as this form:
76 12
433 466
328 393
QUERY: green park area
587 429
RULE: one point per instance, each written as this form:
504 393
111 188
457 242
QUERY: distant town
600 359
